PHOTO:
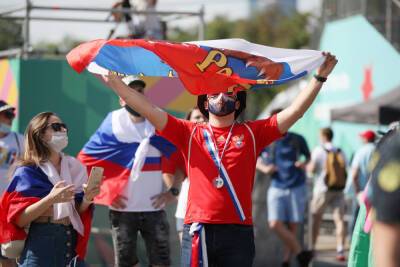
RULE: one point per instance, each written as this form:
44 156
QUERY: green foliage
268 27
10 34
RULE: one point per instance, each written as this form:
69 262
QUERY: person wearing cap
221 157
359 173
132 157
11 148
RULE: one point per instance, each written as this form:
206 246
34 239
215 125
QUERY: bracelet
320 78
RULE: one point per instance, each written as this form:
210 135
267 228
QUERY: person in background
133 156
328 195
287 194
359 169
48 198
11 148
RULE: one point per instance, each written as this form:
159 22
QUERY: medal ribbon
213 151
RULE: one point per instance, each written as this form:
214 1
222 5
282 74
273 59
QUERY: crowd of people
207 161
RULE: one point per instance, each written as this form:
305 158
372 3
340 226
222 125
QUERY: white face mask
59 141
5 128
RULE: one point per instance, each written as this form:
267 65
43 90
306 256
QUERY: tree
10 34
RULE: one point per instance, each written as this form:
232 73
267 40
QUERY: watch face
174 191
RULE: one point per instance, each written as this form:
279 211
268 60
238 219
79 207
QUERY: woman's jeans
50 244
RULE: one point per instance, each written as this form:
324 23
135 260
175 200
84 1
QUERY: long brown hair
36 151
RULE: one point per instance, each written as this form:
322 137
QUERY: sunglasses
57 126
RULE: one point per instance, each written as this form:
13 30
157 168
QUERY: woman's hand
89 195
61 193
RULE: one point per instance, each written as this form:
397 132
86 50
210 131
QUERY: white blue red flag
204 67
29 185
113 146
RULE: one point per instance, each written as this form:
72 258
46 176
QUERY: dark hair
241 97
36 151
136 83
327 133
189 114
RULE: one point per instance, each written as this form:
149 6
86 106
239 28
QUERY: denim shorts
50 244
228 245
287 205
179 224
153 227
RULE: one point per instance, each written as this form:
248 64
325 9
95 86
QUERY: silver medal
218 182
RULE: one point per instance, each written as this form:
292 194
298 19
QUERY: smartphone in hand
95 177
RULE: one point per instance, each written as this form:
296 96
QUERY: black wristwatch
320 78
174 191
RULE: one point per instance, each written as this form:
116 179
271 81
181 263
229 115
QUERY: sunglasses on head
57 126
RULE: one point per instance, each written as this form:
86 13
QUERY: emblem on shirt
221 139
238 140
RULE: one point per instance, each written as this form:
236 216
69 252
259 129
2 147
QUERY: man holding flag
126 146
221 158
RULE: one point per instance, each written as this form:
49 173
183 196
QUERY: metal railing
29 7
383 14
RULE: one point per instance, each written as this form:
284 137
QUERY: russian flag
28 186
204 67
113 147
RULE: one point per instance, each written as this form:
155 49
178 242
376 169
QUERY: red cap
368 135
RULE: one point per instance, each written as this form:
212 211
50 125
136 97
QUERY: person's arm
302 164
170 181
354 177
265 168
287 117
58 194
137 101
88 197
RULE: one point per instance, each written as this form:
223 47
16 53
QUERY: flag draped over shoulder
113 146
204 67
29 185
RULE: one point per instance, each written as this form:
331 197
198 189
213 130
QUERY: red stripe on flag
195 257
116 177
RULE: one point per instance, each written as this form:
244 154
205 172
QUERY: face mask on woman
58 141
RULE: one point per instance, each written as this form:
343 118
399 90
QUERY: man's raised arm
287 117
137 101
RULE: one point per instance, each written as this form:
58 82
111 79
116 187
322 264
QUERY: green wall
79 99
358 46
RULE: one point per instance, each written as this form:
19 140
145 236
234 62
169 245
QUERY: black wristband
320 78
174 191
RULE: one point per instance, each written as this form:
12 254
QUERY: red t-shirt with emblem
206 203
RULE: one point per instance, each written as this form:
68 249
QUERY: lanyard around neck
225 146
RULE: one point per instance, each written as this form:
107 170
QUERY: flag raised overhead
204 67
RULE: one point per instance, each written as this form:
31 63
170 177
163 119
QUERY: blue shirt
361 161
283 154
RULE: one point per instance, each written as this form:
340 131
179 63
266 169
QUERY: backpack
336 173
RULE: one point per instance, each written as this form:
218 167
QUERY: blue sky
55 31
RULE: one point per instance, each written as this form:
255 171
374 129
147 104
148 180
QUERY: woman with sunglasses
47 195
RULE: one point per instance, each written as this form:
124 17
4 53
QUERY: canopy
383 109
